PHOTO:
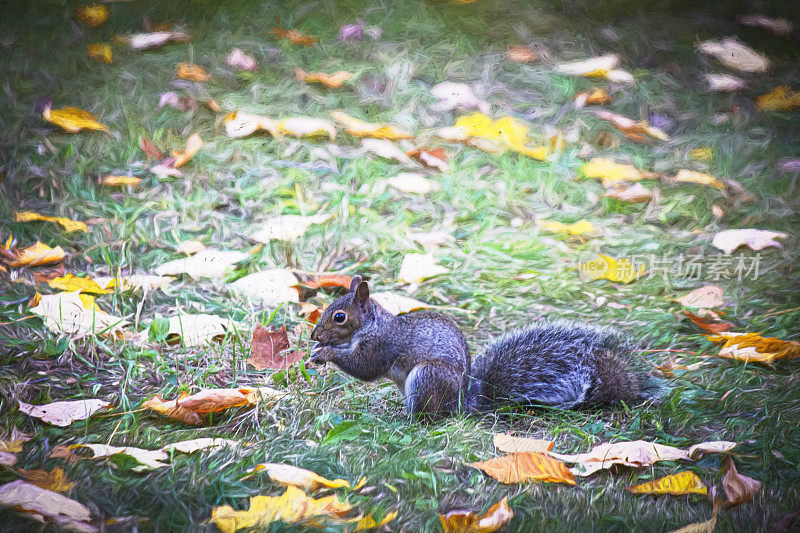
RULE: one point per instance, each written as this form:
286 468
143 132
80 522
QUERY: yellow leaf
54 480
293 507
507 130
100 51
525 466
38 254
307 480
70 282
92 15
193 144
509 444
359 128
611 172
702 527
576 228
307 127
368 523
780 98
69 225
332 81
606 267
120 181
72 119
753 347
690 176
191 72
701 154
677 484
493 519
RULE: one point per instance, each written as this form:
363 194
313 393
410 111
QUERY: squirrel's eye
339 317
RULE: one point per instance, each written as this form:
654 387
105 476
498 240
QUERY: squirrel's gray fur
561 364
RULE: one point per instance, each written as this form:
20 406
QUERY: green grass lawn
503 270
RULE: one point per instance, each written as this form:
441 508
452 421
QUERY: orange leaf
597 96
521 54
677 484
524 466
191 72
150 149
753 347
295 37
635 130
189 408
328 280
193 144
709 324
493 519
332 81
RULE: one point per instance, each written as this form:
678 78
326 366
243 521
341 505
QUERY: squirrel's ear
362 294
355 283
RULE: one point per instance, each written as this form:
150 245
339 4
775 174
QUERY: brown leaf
521 54
207 401
493 519
266 346
738 488
54 480
709 324
150 149
635 193
706 297
524 466
431 157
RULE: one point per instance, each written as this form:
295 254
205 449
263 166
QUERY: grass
503 271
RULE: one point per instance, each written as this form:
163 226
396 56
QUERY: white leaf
287 227
268 287
397 303
208 263
412 182
196 330
734 54
457 96
65 312
46 506
756 239
417 267
604 63
388 150
63 413
725 83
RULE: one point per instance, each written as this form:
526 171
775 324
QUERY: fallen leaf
710 324
696 451
576 228
509 444
781 98
525 466
194 330
191 72
266 346
634 193
64 413
706 297
413 183
738 488
331 81
92 15
690 176
287 227
14 441
7 459
778 26
416 267
631 128
37 254
388 150
241 61
328 280
239 124
73 119
70 282
702 527
54 480
753 347
147 459
144 282
369 524
293 507
521 54
76 315
431 157
46 506
755 239
307 127
637 454
611 173
606 267
596 67
507 130
150 149
493 519
685 482
268 287
191 409
431 239
120 181
397 304
100 51
596 96
66 223
193 145
457 96
725 83
288 475
735 55
359 128
208 263
203 443
701 154
190 247
295 37
141 41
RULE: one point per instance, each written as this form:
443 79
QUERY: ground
503 270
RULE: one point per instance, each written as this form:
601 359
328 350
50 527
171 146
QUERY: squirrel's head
344 317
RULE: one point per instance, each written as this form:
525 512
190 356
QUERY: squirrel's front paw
321 354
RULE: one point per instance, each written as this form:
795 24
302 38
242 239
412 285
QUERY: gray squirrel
561 364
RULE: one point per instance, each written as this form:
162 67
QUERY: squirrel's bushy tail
561 364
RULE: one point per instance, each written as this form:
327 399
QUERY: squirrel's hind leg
432 390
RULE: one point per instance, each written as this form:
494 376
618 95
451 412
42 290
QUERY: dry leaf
203 443
295 37
431 157
76 314
753 347
725 83
611 173
597 96
14 441
92 15
417 267
690 176
685 482
72 119
147 459
150 149
413 183
457 96
707 297
359 128
37 254
64 413
710 324
7 459
755 239
576 228
368 523
630 453
193 144
208 263
191 72
328 280
288 475
191 409
266 347
70 282
100 51
702 527
778 26
46 506
54 480
596 67
143 282
388 150
241 61
239 124
190 247
120 181
332 81
509 444
293 507
635 193
66 223
267 287
506 130
735 55
715 446
606 267
493 519
397 304
287 227
525 466
195 330
701 154
781 98
738 488
521 54
631 128
141 41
